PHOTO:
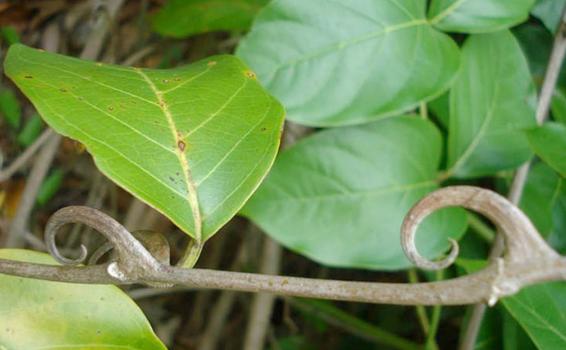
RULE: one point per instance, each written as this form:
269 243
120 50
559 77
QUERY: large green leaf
549 143
541 311
489 107
549 12
181 18
345 62
478 16
53 315
193 142
339 197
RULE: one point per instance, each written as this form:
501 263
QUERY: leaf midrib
341 45
192 195
541 320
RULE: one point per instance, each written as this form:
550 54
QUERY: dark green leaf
541 311
440 106
52 315
10 108
557 237
182 18
549 12
193 142
536 43
549 143
31 131
489 336
558 106
478 16
10 35
346 62
339 197
489 107
541 192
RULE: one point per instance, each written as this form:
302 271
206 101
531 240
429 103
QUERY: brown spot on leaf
181 145
28 77
63 90
211 63
165 81
110 108
250 74
263 129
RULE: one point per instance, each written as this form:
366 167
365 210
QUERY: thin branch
520 178
221 310
24 158
262 305
528 260
18 226
419 310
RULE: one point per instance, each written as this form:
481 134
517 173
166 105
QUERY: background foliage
396 97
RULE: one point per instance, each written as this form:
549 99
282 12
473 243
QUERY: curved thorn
133 260
521 237
51 245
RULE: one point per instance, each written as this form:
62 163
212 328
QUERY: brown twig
528 260
23 159
262 305
520 178
220 310
18 226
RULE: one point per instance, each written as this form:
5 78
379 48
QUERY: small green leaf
549 143
541 311
53 315
339 196
31 131
549 12
193 142
478 16
348 62
182 18
49 187
489 107
10 108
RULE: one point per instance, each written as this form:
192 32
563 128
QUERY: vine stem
528 260
520 178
